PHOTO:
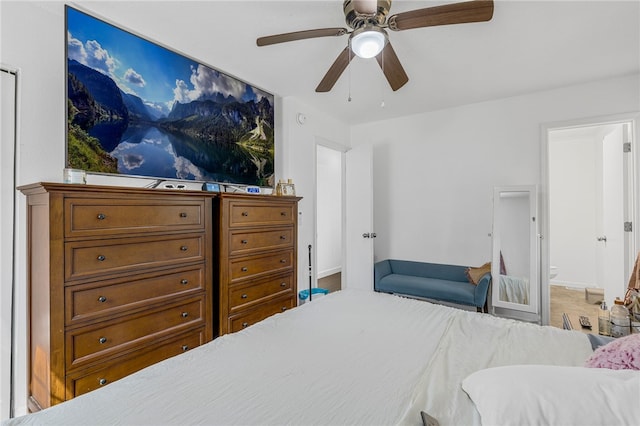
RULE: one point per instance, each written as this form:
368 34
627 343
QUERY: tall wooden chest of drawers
119 279
258 258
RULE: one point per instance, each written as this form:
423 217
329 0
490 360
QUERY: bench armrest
380 270
480 293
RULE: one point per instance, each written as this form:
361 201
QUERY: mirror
514 263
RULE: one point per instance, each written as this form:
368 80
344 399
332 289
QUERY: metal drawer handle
283 213
183 214
101 258
244 241
184 282
102 340
283 237
101 216
185 348
102 382
244 296
283 261
283 284
184 248
284 308
245 324
102 299
245 214
184 314
244 269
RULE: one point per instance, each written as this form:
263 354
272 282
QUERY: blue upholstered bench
448 283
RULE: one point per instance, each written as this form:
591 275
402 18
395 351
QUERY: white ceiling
527 46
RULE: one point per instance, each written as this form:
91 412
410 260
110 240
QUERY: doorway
329 217
590 197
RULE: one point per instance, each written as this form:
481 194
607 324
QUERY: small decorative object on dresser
258 253
119 279
286 188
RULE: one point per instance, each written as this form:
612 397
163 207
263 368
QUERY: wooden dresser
258 257
119 279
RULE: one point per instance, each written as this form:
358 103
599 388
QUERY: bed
351 357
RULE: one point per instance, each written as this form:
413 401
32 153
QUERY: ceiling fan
367 20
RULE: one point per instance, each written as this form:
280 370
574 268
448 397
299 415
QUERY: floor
573 302
331 283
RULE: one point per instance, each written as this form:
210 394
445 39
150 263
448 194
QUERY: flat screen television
137 108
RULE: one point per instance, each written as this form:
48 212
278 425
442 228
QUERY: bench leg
484 309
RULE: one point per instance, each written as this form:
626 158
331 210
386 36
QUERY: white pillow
555 395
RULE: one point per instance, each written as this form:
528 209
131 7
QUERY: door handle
603 238
369 235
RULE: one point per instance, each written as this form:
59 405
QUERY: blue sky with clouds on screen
157 75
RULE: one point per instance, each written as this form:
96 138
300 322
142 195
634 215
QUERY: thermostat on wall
252 189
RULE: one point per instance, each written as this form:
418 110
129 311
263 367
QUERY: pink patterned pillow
621 354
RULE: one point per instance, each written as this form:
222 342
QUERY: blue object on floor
304 294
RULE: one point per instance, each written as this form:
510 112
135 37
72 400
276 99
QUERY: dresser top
43 187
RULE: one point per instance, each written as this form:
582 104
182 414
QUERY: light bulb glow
368 44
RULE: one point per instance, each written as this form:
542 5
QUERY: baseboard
572 284
329 272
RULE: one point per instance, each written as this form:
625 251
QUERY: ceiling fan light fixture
368 41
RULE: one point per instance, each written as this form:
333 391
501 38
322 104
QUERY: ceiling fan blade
456 13
365 7
392 68
300 35
336 70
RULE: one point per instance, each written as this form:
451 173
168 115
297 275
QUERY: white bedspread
352 357
514 289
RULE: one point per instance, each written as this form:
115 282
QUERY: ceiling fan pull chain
349 71
382 89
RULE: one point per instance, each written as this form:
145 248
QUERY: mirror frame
534 282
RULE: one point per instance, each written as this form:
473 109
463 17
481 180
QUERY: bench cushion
432 288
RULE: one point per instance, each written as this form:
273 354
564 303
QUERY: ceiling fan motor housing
355 20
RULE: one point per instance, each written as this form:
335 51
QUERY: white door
7 195
359 233
610 239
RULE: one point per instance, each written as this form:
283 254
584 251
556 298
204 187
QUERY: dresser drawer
238 322
242 242
92 343
253 266
89 217
100 257
242 213
244 296
84 382
105 299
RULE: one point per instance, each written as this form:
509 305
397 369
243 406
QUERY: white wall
435 172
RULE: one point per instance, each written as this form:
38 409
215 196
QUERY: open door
359 234
9 91
612 272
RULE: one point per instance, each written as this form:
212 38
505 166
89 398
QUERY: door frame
633 207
